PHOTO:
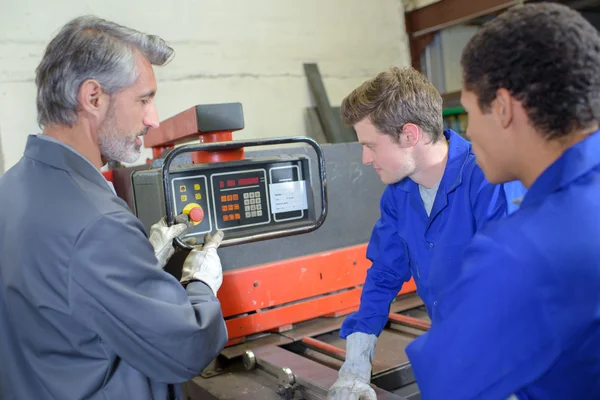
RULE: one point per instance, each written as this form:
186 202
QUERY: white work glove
161 238
205 265
355 374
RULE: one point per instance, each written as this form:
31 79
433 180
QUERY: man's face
490 141
392 162
130 114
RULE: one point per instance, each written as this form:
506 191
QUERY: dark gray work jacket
86 312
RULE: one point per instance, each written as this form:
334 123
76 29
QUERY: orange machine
288 282
207 123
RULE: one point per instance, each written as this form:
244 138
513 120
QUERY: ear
410 135
92 99
502 108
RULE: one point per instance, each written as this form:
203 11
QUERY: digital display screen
231 183
248 181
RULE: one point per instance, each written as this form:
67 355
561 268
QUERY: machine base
303 362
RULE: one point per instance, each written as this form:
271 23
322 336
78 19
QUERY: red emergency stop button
197 214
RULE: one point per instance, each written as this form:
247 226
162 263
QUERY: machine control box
240 198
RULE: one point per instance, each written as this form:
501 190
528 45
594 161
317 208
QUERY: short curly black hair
548 57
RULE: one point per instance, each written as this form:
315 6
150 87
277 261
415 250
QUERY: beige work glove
355 375
204 264
161 238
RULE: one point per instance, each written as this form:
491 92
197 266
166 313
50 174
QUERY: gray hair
89 47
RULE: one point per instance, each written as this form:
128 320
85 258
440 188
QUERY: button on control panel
239 197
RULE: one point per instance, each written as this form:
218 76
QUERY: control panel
191 194
241 198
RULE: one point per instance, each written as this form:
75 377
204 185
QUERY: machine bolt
288 377
249 360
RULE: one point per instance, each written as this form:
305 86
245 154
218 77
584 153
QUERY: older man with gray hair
86 309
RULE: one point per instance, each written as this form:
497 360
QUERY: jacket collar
61 156
575 162
458 152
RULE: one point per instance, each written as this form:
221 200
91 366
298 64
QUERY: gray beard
116 146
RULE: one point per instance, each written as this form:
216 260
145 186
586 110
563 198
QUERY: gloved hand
205 265
161 238
355 374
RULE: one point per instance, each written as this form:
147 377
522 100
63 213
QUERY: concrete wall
1 154
228 50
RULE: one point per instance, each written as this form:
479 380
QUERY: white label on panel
288 196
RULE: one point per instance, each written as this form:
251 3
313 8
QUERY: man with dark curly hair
523 320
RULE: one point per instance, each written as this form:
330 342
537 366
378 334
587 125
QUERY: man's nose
367 156
151 117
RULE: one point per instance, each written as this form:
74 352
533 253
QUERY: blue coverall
407 243
86 312
524 317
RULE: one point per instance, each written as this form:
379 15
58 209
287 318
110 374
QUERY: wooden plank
331 128
315 129
347 132
447 13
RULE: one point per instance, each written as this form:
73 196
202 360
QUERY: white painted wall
228 50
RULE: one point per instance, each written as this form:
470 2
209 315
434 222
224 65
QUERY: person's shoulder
115 222
84 201
549 252
61 205
549 231
503 252
95 198
476 177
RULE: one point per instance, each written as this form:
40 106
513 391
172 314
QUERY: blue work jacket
86 311
524 317
407 243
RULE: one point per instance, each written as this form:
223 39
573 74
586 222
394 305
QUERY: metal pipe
409 321
325 348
